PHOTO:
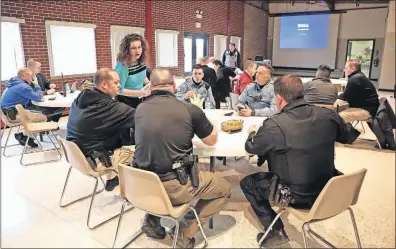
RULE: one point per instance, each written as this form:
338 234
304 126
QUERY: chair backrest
144 190
23 116
234 100
76 158
338 194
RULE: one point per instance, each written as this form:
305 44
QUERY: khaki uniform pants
122 155
213 193
354 114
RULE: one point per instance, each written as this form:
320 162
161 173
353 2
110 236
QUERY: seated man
161 148
47 88
320 91
196 87
360 93
246 77
258 99
96 121
21 90
285 141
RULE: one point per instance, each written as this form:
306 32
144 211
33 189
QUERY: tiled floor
31 216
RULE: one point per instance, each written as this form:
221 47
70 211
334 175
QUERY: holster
102 156
280 194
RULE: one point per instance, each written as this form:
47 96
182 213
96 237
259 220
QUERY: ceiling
330 4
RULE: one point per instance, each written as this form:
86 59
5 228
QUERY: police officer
164 129
258 99
196 86
304 164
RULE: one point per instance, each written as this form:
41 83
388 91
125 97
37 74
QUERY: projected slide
304 32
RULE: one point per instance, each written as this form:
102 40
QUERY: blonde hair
32 62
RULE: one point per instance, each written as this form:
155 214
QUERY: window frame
48 24
157 32
132 29
19 21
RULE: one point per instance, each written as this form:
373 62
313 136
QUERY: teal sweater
131 78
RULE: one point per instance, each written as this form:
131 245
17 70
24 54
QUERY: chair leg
176 234
270 227
200 227
304 228
309 230
6 143
24 152
64 190
355 227
119 223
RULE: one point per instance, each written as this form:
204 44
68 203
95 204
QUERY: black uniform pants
256 188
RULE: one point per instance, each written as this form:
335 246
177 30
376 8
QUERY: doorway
362 50
195 46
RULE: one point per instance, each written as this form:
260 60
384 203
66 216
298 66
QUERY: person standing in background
209 73
223 84
131 68
232 57
210 62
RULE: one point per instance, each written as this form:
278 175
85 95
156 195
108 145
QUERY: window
166 45
237 41
71 48
220 45
117 34
12 56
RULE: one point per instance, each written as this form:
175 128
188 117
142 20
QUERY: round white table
227 144
59 101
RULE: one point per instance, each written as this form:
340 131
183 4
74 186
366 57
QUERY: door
195 46
361 50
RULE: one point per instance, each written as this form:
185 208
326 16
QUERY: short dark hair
102 74
218 63
232 44
197 66
290 87
324 70
267 66
355 64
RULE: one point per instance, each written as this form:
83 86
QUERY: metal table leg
212 169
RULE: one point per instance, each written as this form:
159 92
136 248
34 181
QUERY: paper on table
147 86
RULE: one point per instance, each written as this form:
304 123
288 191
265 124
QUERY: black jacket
223 84
383 124
361 93
298 144
209 76
96 121
43 82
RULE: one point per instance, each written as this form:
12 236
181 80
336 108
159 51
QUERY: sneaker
152 227
274 238
32 144
182 241
111 184
20 138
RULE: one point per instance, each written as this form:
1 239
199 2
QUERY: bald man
210 62
164 129
21 90
96 121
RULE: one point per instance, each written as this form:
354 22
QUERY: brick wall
171 15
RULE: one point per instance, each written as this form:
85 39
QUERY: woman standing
131 67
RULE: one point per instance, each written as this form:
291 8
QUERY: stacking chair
338 195
10 124
234 100
77 160
33 129
152 198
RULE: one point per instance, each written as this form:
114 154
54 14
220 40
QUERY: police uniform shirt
164 129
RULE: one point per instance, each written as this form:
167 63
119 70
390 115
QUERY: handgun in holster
280 194
102 156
